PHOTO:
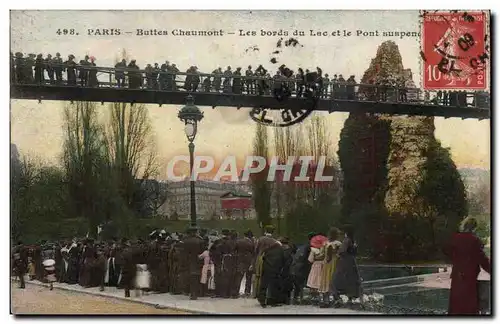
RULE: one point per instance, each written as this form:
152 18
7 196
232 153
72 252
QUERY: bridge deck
211 99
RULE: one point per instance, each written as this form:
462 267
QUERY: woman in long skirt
316 257
346 278
331 249
142 279
207 274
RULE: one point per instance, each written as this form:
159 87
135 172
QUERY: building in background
237 205
208 199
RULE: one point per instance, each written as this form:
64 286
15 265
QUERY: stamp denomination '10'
454 50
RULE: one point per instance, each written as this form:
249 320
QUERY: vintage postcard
250 162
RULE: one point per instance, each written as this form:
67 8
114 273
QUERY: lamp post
191 115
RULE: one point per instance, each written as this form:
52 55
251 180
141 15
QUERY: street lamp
191 115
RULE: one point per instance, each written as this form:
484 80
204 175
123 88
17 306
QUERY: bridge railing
159 80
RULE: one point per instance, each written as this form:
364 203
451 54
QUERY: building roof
238 194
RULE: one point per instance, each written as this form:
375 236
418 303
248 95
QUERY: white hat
48 263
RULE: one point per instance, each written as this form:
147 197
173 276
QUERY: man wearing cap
153 261
120 73
70 66
193 247
88 256
129 267
245 249
39 67
21 262
49 68
57 66
92 80
20 70
83 75
149 76
134 76
164 77
28 68
223 251
270 260
164 247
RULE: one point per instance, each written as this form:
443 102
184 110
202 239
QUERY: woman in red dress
467 256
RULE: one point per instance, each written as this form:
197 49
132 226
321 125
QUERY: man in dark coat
113 267
120 73
129 268
299 269
222 251
134 76
20 262
237 83
58 68
153 261
58 258
39 68
286 283
244 248
99 269
84 71
73 263
163 265
175 268
37 259
193 247
50 69
20 69
70 66
87 259
269 293
467 256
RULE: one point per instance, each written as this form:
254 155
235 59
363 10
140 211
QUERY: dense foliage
402 191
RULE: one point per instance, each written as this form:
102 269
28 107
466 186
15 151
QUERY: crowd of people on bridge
204 263
35 69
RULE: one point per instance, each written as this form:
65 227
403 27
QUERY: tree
398 179
153 196
39 201
479 198
261 188
23 176
85 161
132 149
307 206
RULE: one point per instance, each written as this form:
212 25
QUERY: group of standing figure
201 263
34 69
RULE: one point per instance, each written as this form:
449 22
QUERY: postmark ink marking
454 50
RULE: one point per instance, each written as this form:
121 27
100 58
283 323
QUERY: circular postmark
298 109
298 93
454 51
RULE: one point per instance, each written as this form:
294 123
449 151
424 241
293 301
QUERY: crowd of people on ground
203 263
35 69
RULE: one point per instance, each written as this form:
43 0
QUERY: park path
182 303
39 300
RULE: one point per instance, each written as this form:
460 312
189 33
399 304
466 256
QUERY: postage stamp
455 50
199 148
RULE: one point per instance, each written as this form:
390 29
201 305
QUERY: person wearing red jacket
467 256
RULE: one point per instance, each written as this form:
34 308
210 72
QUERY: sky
36 128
